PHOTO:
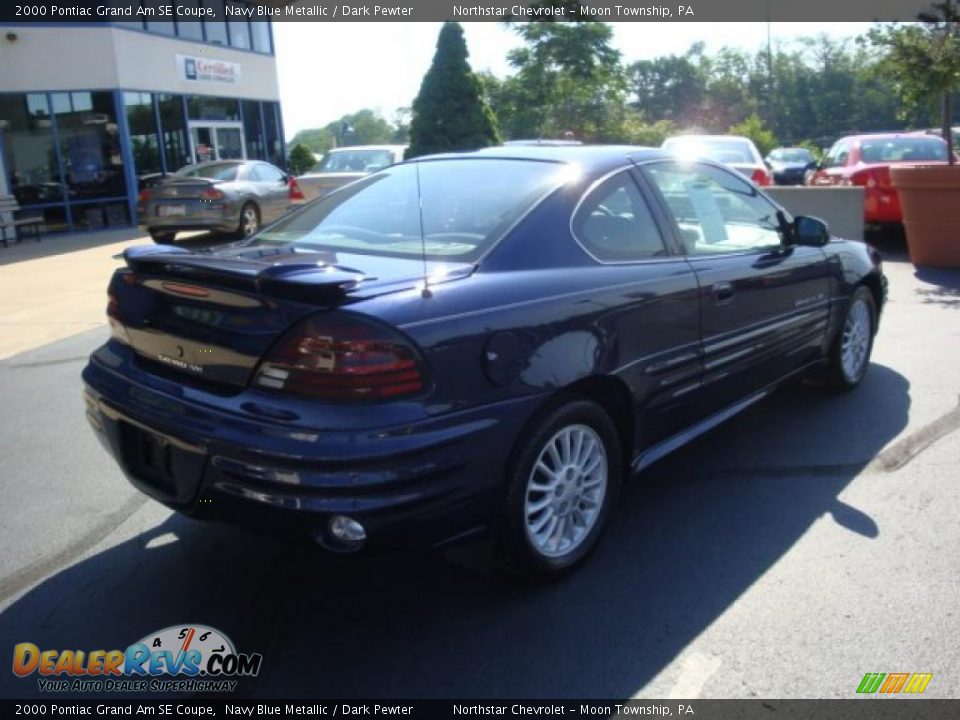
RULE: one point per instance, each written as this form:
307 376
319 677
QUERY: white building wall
89 58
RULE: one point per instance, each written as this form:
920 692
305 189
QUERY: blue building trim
126 152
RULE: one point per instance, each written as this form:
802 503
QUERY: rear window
354 161
905 149
719 150
216 171
464 207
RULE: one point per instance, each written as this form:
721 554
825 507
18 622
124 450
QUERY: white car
734 151
341 166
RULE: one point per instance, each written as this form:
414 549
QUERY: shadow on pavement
945 290
690 536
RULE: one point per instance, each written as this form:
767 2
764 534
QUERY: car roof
591 157
349 148
888 136
707 137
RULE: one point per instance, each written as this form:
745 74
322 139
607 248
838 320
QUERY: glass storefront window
261 36
186 28
90 144
239 29
94 216
200 107
271 133
157 23
173 132
29 155
253 130
216 30
144 144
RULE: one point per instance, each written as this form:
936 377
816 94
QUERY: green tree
301 159
449 113
319 140
753 128
569 78
923 60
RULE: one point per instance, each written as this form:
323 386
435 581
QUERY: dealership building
92 112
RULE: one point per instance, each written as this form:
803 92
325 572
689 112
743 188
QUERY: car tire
562 482
163 238
249 220
850 354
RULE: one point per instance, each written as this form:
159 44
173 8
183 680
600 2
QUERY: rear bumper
197 215
417 482
882 205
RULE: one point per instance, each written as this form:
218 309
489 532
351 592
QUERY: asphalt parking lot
803 544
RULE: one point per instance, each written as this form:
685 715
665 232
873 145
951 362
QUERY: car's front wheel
563 481
850 355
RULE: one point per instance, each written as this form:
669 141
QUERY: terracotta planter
930 200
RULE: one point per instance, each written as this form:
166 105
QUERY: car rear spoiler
304 281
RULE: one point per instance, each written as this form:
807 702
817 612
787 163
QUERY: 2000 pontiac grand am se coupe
586 311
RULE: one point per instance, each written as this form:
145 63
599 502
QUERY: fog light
347 530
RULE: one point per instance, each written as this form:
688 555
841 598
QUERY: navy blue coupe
487 342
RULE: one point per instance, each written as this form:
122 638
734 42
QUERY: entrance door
216 141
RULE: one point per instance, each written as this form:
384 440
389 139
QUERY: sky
327 70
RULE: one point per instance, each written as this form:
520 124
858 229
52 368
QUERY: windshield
797 155
721 150
214 171
466 206
905 149
354 161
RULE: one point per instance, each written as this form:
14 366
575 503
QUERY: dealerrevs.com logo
181 658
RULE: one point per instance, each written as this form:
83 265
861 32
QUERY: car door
764 305
271 189
650 296
833 169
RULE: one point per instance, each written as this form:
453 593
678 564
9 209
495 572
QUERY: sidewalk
57 287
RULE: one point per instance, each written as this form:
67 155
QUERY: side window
252 174
837 157
715 210
614 223
268 173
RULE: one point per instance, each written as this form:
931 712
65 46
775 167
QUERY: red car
865 160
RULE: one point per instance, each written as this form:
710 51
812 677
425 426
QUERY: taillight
760 177
211 193
144 196
117 329
871 178
293 190
342 358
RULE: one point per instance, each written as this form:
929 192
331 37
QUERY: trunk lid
174 188
212 315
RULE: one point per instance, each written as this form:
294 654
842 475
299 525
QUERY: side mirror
809 231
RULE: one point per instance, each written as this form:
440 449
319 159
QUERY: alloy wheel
565 491
855 345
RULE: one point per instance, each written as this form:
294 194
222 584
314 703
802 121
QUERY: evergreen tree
450 114
301 159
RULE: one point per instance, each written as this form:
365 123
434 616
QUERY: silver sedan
229 196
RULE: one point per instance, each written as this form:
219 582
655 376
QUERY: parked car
789 165
484 342
865 160
733 151
341 166
228 196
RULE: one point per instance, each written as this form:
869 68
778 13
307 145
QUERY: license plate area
159 464
171 210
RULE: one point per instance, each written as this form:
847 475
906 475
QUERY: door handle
722 293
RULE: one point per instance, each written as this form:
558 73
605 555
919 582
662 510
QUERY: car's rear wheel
563 481
163 237
249 220
850 355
